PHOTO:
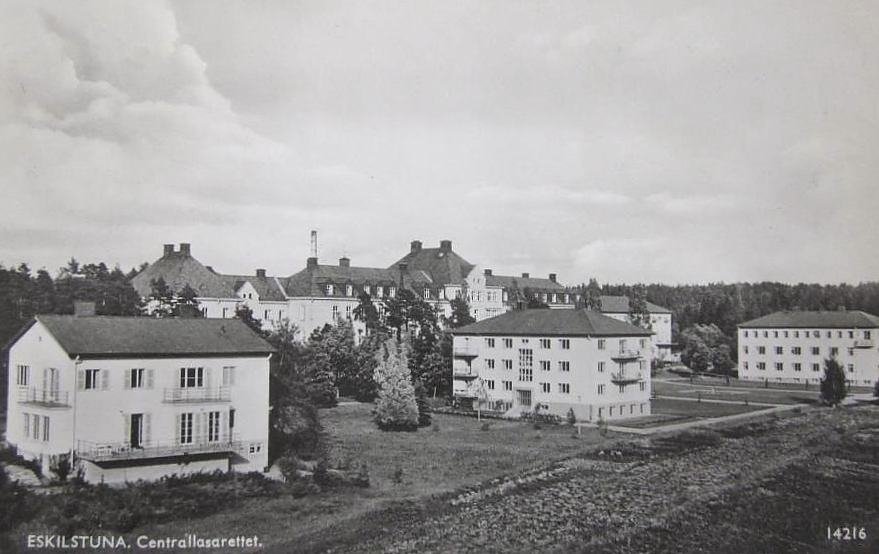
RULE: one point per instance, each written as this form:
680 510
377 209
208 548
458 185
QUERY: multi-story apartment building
138 398
557 359
618 307
792 346
321 294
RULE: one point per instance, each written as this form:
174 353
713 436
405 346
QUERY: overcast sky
676 142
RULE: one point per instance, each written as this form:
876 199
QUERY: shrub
8 455
876 390
395 408
61 467
15 505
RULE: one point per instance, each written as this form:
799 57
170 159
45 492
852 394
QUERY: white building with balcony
138 398
557 359
618 307
790 347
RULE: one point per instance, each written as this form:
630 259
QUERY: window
775 334
816 334
379 291
349 290
746 366
600 389
508 385
601 344
816 367
213 426
565 388
545 344
746 349
525 341
186 428
798 367
228 375
426 294
834 351
600 367
489 363
191 377
785 334
508 343
796 350
135 378
508 364
796 334
565 344
489 384
761 366
851 368
348 312
779 366
526 364
489 343
367 289
643 386
564 365
46 428
867 335
24 373
829 334
761 350
26 418
544 387
622 388
545 365
265 315
330 289
765 334
816 350
779 350
392 292
36 427
91 379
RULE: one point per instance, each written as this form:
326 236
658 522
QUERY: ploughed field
778 485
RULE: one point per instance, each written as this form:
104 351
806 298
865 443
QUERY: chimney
488 273
415 246
185 249
169 249
552 277
261 273
312 262
81 308
402 267
445 245
344 261
526 275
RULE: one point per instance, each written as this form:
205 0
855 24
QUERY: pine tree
833 382
424 409
395 407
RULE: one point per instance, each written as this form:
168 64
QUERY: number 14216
846 533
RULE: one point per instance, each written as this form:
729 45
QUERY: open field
735 392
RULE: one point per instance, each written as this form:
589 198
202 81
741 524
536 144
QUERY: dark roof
267 287
179 269
546 322
536 283
815 320
620 305
443 266
105 336
311 281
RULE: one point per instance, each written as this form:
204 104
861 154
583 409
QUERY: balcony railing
465 373
864 343
50 398
626 355
465 351
625 377
120 451
188 395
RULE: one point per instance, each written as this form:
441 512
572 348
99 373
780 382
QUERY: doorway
136 436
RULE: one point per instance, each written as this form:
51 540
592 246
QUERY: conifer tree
395 407
833 382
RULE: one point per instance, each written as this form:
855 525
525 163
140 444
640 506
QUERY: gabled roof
546 322
267 288
620 305
536 283
442 265
311 281
179 269
132 337
815 320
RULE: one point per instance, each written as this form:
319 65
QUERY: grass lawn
699 409
736 393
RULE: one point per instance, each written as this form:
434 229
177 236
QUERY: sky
626 140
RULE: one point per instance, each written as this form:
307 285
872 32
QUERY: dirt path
629 499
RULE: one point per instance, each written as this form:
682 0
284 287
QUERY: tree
460 315
706 346
395 407
639 313
424 410
592 295
833 383
245 314
185 304
161 297
366 312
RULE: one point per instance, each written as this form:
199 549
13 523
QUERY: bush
15 504
395 408
9 456
61 467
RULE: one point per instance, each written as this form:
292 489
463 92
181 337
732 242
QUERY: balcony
122 451
466 390
46 398
626 378
464 373
465 351
626 355
863 343
193 395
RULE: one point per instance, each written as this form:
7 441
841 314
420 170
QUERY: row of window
143 378
779 366
797 350
866 334
35 427
563 344
380 290
563 388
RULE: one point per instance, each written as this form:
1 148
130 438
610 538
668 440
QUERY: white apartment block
557 359
661 344
139 398
790 347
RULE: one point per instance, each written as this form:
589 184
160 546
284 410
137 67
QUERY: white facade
598 377
660 324
137 418
796 355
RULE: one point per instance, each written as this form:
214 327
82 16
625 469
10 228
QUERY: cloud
549 195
